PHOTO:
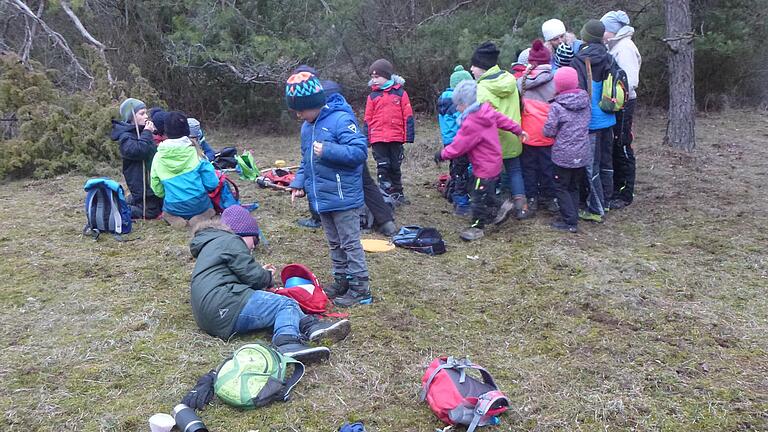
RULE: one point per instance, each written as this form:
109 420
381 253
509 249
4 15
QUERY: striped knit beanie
563 55
303 91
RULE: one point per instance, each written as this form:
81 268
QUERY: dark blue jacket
333 181
137 154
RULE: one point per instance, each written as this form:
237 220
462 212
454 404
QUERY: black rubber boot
339 286
359 293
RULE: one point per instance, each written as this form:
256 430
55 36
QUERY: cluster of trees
225 60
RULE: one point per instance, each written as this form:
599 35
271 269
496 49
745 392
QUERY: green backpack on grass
255 375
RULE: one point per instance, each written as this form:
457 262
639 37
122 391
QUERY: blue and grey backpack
425 240
105 208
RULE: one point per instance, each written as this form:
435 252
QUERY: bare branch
445 12
327 7
57 38
87 35
30 36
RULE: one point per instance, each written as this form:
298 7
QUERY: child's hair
465 93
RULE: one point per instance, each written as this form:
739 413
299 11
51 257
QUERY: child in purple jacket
568 123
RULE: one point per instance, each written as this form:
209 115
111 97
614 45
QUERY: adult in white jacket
618 37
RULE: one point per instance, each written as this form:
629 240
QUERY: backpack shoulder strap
485 403
298 373
450 363
588 62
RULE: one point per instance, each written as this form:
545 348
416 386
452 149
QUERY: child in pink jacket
478 138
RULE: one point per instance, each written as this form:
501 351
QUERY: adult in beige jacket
618 38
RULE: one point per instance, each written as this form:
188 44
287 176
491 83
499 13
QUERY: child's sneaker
504 211
400 198
315 329
522 211
471 234
339 286
562 226
309 223
616 204
388 228
359 293
293 346
462 211
591 217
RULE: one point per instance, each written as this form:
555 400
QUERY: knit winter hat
194 128
240 221
539 54
459 75
592 32
158 116
176 125
486 56
615 20
564 54
552 29
129 107
522 58
330 87
382 68
565 79
303 91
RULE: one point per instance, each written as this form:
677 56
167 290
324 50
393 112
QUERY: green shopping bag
247 168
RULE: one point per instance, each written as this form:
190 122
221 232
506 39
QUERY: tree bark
682 103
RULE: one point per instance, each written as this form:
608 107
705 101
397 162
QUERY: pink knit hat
566 79
240 221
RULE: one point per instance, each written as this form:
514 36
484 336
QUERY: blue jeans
514 176
265 309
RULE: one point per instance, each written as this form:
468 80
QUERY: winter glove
201 395
438 157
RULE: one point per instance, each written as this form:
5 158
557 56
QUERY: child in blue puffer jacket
448 119
333 153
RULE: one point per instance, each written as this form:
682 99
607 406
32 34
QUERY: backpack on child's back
106 209
615 88
226 193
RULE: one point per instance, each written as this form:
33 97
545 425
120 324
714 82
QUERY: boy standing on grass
388 124
568 122
333 153
478 138
448 117
137 149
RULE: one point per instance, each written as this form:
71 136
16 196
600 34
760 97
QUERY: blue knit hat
158 116
129 107
303 91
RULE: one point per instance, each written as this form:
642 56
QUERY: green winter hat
592 32
459 75
129 107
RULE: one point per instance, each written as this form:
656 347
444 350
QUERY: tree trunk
682 102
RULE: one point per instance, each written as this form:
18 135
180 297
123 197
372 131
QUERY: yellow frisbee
377 245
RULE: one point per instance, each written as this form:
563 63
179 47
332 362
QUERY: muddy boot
359 293
293 346
504 211
315 329
472 234
522 211
339 286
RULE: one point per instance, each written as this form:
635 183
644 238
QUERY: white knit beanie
552 29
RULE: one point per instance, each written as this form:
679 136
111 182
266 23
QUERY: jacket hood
500 83
476 116
398 81
177 155
120 127
624 32
205 235
599 58
573 100
335 103
539 76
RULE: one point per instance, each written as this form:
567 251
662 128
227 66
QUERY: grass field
654 320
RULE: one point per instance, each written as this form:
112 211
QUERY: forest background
224 62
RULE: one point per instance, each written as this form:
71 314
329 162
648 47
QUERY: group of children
571 156
535 124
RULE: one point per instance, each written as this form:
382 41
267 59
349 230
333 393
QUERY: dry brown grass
655 320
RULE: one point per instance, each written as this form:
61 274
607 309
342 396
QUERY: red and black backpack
458 398
312 300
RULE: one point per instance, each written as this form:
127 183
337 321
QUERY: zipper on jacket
338 185
312 165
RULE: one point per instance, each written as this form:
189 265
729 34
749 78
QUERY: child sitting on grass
179 176
568 123
333 152
228 291
478 138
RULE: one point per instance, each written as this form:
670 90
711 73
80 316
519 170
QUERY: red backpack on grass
310 296
458 398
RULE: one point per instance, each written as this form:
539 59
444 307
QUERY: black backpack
424 240
225 159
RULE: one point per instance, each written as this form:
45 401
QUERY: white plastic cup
161 423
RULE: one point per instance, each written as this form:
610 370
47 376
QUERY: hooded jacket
499 88
600 62
333 181
568 123
447 116
479 140
182 179
388 114
137 154
537 89
223 280
624 50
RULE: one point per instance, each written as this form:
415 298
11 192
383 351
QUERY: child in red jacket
388 124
